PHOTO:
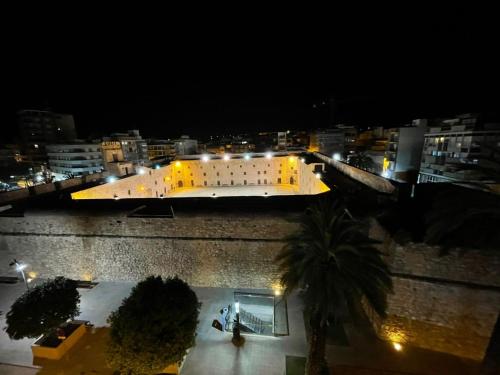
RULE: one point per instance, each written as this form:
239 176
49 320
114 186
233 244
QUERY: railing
251 321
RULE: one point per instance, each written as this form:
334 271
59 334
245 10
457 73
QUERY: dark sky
382 69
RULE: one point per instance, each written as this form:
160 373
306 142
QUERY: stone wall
446 303
371 180
234 251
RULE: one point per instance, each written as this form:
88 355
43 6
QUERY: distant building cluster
461 149
464 148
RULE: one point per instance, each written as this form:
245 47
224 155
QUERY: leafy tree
362 161
154 326
42 308
335 265
465 218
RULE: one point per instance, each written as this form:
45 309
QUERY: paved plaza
234 191
213 354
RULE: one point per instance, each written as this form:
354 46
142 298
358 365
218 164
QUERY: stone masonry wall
445 303
204 250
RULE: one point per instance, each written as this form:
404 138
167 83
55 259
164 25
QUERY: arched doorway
292 181
179 184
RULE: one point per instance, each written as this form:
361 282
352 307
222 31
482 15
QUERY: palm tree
335 265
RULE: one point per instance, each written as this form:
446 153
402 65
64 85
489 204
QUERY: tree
463 217
335 265
154 326
362 161
43 308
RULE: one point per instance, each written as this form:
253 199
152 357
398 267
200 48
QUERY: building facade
134 147
248 175
159 148
338 140
461 149
75 159
186 146
404 151
39 128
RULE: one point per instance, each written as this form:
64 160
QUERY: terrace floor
234 191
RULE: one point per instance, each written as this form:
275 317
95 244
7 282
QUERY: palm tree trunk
491 361
316 359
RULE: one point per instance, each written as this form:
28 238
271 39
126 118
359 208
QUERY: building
186 146
39 128
281 141
75 159
404 151
464 148
161 149
338 140
134 147
217 176
113 159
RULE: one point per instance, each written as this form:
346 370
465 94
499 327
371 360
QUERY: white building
134 147
186 146
461 149
404 150
217 176
75 159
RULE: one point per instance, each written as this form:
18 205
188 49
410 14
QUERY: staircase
251 322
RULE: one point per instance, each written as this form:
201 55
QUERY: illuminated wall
187 174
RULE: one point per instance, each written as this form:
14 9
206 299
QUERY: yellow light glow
397 346
277 288
32 274
141 188
291 159
385 165
86 276
167 178
177 164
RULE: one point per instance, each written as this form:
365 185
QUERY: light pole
20 268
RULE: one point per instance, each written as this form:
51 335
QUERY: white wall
182 174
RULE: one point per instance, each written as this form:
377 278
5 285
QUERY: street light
20 268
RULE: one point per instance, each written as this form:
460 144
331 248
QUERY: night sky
380 71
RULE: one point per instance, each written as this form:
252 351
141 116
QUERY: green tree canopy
154 326
42 308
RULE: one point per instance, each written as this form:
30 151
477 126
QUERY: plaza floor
234 191
213 354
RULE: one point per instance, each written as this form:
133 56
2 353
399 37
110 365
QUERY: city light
142 171
302 160
204 158
111 179
337 156
291 159
397 346
247 157
157 166
177 164
20 267
269 155
318 175
226 157
237 307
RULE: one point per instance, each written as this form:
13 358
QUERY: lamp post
20 268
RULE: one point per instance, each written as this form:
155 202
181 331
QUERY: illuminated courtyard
234 191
